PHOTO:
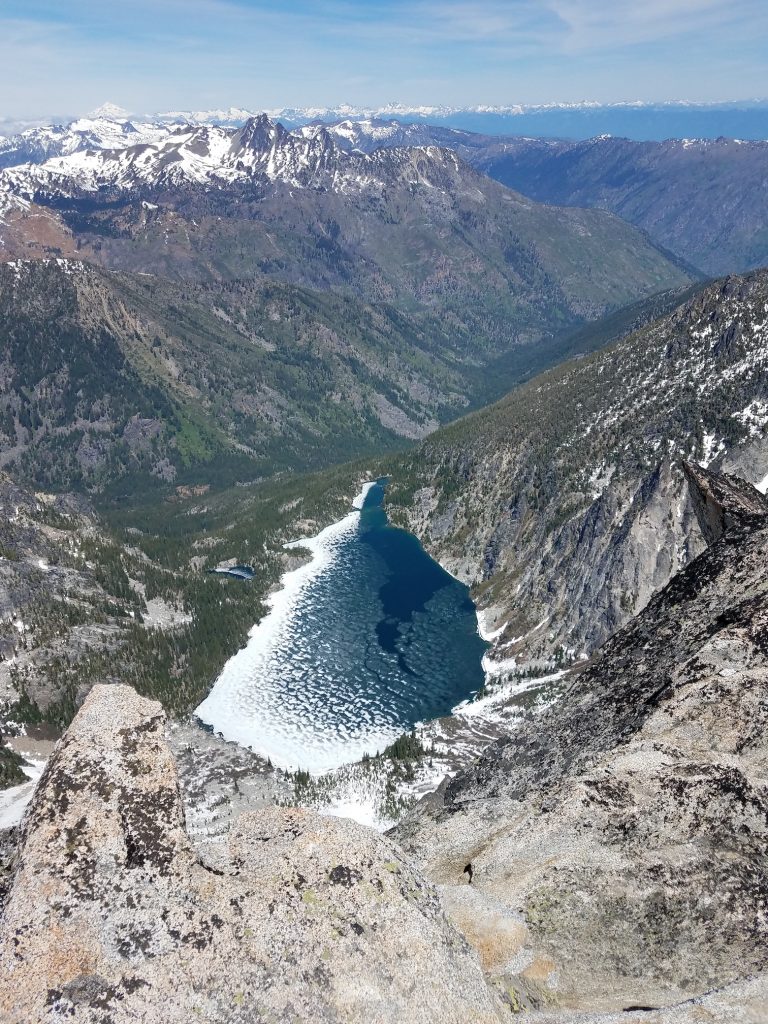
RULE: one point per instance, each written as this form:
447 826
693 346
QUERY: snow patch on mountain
260 152
36 145
754 417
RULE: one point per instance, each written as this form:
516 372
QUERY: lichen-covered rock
745 1002
619 839
112 916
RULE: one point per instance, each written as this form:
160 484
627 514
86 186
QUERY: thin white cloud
598 25
146 54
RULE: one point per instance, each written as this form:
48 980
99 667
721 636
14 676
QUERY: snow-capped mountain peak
351 134
110 110
259 154
37 145
259 133
232 117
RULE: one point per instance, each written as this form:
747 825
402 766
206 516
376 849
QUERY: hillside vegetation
125 594
703 199
114 381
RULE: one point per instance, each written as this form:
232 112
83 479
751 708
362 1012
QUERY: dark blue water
428 619
369 639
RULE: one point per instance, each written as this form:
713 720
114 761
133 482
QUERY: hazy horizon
200 54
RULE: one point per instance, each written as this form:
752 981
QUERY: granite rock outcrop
112 916
619 839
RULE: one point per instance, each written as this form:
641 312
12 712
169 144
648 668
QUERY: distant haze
640 121
264 54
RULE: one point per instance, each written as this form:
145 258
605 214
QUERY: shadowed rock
722 501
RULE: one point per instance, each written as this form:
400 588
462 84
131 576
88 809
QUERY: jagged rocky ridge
112 916
619 839
562 505
412 225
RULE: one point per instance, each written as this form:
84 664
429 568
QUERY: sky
69 56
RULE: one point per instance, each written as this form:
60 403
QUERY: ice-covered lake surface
366 640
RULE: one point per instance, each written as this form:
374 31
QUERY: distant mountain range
402 224
635 120
705 200
701 199
38 144
400 286
746 119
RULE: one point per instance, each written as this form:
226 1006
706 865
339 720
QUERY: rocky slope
562 505
131 374
618 839
81 602
113 917
64 598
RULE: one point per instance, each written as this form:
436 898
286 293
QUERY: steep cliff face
113 917
619 839
563 505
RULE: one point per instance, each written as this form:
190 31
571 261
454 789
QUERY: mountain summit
109 110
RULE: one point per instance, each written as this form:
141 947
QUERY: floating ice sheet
363 641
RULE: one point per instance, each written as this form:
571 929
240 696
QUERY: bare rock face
723 501
112 917
619 840
564 504
744 1002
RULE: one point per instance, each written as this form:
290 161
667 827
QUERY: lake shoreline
246 704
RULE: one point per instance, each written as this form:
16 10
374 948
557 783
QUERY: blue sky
68 56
